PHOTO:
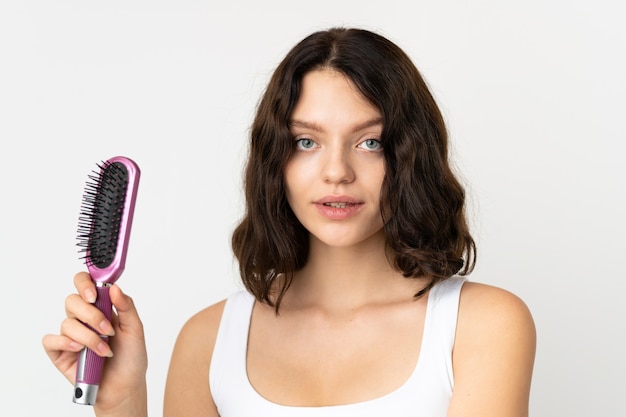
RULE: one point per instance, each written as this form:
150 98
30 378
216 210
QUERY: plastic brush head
101 214
106 216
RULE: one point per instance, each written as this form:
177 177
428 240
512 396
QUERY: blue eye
305 143
371 145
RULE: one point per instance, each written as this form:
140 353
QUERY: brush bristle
101 214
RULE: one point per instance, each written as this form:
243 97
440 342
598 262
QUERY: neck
345 278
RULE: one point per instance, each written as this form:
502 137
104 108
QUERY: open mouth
338 205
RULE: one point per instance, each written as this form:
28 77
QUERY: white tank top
427 392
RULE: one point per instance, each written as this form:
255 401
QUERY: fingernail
105 350
90 295
106 328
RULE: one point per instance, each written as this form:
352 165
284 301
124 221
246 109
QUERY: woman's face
334 178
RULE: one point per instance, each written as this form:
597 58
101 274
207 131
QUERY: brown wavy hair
422 202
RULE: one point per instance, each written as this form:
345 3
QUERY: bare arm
494 354
187 392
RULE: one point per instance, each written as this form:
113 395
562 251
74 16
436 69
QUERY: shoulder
489 314
198 334
494 350
203 324
202 328
187 391
480 302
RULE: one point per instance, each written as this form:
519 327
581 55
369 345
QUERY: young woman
352 249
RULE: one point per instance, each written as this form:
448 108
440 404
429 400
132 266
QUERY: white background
533 92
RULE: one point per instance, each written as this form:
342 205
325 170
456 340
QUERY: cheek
297 173
377 177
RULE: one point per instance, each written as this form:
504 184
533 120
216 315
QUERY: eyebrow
314 126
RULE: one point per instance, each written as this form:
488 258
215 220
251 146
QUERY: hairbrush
104 226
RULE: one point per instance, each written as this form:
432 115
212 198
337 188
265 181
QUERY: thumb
127 316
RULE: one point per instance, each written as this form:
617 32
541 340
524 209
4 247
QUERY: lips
338 207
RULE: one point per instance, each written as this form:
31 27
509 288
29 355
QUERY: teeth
337 205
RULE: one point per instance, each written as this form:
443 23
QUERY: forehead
328 96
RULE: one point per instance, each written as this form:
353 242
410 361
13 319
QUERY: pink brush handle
90 365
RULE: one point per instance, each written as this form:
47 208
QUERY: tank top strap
440 328
228 362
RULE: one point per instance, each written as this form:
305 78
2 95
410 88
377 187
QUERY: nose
337 167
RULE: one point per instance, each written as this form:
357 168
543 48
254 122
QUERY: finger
63 352
81 334
55 344
85 286
127 316
77 307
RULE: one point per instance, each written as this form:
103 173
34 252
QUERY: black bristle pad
101 214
